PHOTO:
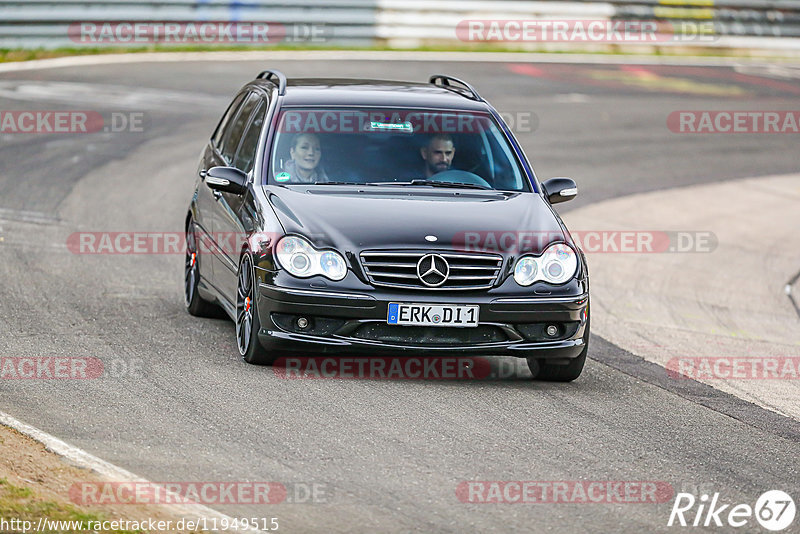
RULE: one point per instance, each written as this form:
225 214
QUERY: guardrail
767 24
51 24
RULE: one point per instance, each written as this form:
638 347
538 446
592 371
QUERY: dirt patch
35 483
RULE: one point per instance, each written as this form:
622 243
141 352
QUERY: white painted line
377 55
103 94
110 471
27 216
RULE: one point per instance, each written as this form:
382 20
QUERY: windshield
390 147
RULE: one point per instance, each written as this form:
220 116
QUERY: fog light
552 330
302 323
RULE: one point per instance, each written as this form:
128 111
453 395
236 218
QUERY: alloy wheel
244 306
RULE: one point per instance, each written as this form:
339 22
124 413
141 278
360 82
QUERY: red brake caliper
194 258
247 304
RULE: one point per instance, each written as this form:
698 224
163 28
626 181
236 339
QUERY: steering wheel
454 175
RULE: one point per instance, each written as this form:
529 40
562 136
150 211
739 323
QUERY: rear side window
247 150
222 127
234 133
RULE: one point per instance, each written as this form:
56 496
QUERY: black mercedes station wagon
382 218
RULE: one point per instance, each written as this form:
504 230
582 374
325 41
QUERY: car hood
353 219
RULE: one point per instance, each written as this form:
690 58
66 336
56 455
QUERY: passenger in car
438 154
304 163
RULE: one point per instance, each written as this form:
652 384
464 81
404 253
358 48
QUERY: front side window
236 129
224 123
247 150
390 146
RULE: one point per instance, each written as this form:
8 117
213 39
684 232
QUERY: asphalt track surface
390 453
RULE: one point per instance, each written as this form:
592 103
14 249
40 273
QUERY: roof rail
445 82
271 76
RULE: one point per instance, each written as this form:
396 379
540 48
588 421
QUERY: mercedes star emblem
432 270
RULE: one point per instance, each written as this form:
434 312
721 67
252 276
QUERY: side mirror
226 179
560 189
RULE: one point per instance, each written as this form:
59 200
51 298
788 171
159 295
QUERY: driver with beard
438 154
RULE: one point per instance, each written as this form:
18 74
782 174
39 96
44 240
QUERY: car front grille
399 269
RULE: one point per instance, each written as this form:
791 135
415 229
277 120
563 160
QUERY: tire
550 372
195 304
247 322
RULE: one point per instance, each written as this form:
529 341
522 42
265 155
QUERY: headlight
301 259
556 265
526 271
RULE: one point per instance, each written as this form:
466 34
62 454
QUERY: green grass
22 503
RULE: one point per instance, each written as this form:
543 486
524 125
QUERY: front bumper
354 323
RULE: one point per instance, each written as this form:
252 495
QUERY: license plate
433 315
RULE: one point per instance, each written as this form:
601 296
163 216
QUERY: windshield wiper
435 183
